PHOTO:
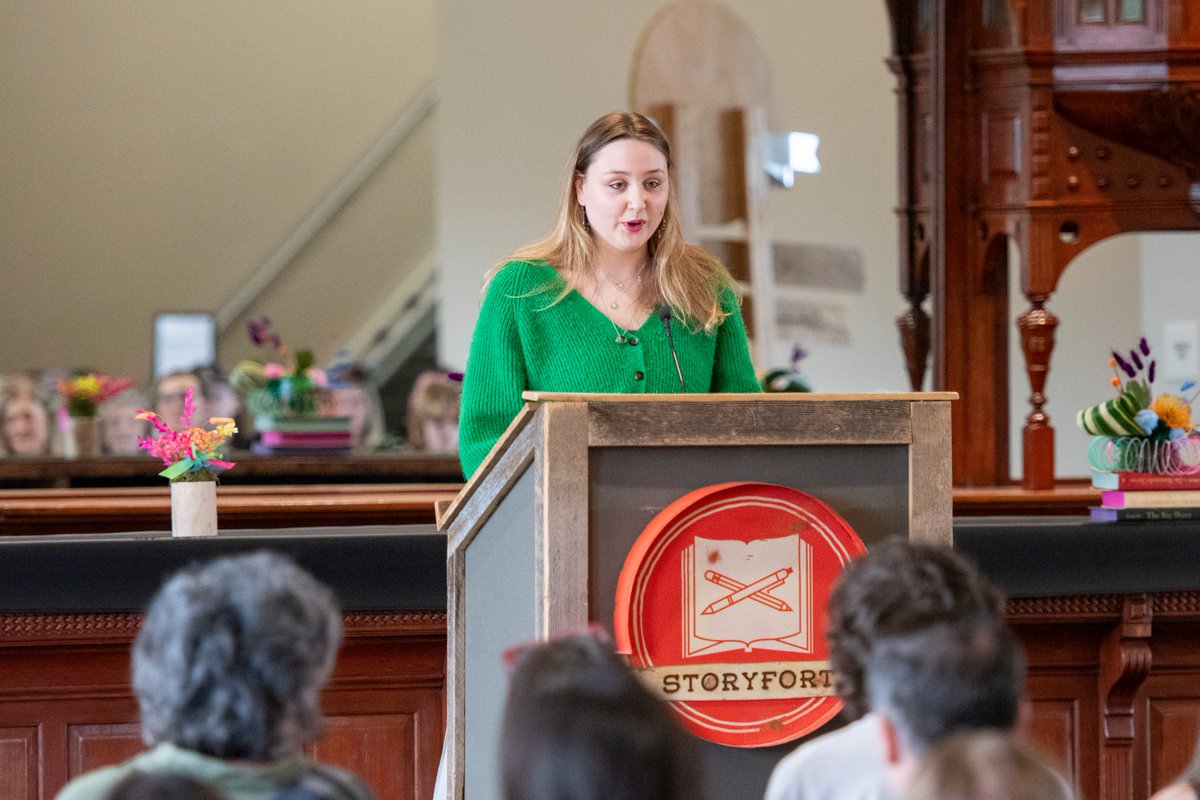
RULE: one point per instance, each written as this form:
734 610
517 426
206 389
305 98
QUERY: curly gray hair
232 656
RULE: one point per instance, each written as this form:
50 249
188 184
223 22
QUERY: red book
1143 481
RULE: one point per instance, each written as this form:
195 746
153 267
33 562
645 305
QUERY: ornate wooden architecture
1051 123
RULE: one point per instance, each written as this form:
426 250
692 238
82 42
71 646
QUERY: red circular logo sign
721 607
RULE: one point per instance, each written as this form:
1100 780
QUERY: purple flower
1124 365
1145 347
1152 365
1136 360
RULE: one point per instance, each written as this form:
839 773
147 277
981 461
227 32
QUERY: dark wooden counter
398 466
96 510
69 613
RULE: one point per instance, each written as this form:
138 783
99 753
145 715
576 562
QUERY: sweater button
637 376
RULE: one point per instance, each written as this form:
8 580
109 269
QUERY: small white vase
194 508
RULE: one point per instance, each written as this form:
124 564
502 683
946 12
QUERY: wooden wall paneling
1124 663
20 777
66 706
98 744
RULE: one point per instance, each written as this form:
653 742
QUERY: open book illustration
752 595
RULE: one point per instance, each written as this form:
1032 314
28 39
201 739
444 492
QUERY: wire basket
1141 454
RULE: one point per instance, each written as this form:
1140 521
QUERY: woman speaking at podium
611 300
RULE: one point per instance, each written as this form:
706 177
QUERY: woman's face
121 430
624 194
171 393
26 427
351 402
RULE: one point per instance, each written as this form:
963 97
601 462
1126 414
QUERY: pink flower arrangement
84 393
191 453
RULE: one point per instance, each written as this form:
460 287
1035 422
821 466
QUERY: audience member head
579 725
945 678
162 786
986 765
223 398
355 396
232 655
433 412
24 425
117 426
899 586
170 391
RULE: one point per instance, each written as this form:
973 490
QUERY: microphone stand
664 314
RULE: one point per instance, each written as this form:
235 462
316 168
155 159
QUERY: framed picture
184 341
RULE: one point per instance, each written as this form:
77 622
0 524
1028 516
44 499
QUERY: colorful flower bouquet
1136 431
191 453
84 393
281 386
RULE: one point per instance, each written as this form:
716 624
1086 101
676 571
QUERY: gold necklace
623 336
621 286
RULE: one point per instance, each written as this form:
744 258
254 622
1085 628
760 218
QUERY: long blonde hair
684 277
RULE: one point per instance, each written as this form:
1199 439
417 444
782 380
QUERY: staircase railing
399 131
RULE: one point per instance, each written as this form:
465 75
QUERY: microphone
664 314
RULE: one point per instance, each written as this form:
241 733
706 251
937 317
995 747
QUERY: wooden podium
538 536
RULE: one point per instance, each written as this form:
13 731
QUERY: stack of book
302 435
1146 496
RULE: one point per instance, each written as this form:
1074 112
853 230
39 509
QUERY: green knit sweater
522 342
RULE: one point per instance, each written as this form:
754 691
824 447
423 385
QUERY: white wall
1098 307
520 81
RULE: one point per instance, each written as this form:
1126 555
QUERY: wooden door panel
19 763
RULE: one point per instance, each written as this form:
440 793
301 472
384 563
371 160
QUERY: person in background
986 765
898 587
579 725
433 411
24 425
611 300
170 391
960 675
117 426
163 786
227 670
355 396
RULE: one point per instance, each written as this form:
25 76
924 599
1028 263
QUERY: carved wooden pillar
1124 663
1037 342
914 340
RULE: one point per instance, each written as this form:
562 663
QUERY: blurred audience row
232 655
34 417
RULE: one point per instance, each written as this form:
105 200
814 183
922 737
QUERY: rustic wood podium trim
553 435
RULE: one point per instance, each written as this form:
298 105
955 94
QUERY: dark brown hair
897 588
579 725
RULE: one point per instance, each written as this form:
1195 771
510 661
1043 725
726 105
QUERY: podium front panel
865 484
500 612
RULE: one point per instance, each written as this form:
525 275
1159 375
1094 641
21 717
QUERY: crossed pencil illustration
758 591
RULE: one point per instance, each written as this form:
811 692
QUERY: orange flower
1173 410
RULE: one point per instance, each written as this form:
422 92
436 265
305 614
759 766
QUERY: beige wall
153 155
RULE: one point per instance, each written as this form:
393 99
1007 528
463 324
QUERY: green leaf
178 468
